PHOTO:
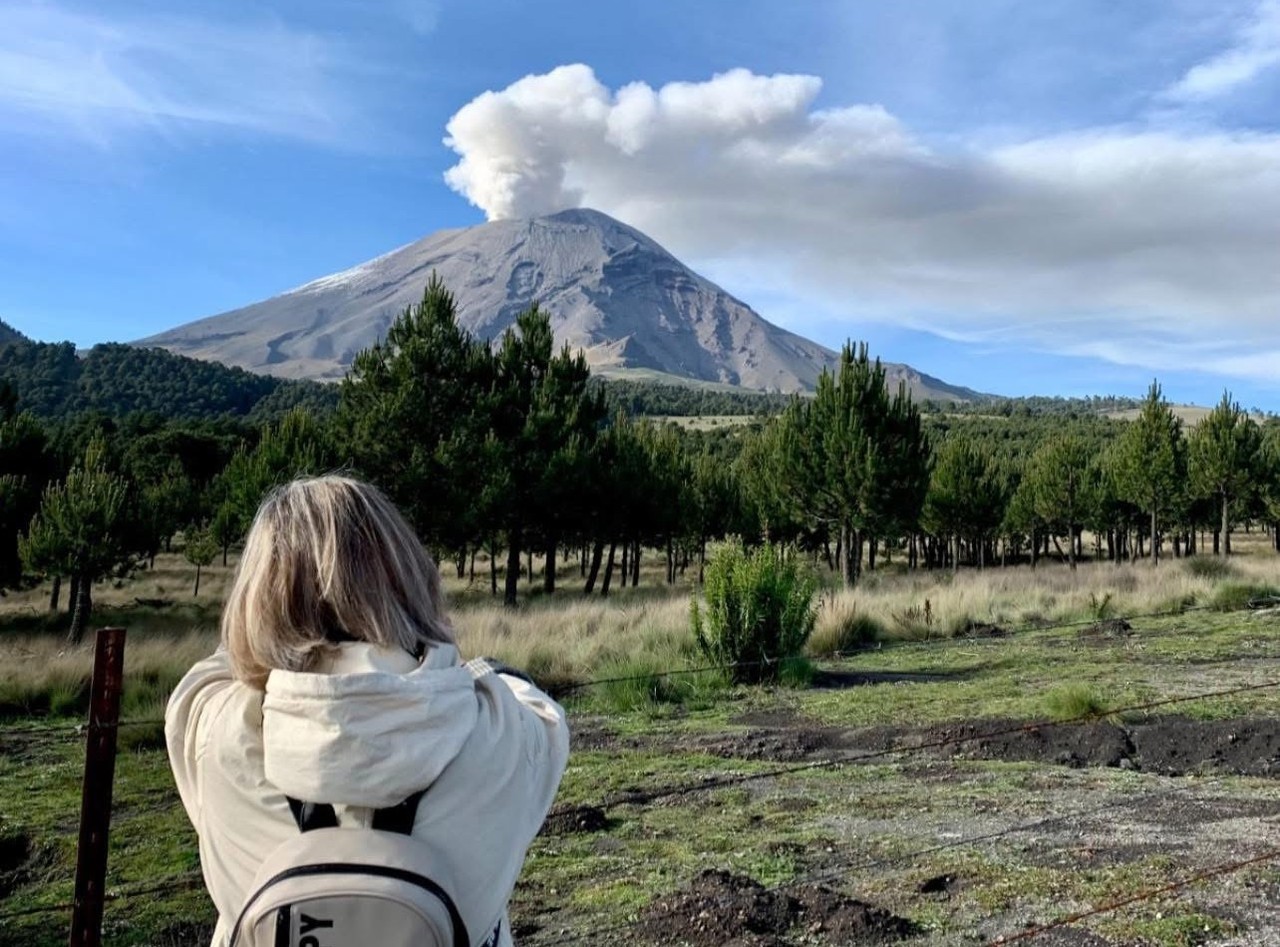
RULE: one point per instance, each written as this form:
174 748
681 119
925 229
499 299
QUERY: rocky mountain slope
612 291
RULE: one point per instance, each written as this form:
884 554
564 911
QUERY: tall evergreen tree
1061 480
545 417
296 446
415 413
1150 462
82 531
25 467
966 499
852 458
1223 452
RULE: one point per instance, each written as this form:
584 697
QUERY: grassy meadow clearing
897 663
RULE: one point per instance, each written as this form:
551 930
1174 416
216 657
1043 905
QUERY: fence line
1217 871
645 798
837 874
184 882
569 689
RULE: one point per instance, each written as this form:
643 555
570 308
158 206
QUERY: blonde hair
328 559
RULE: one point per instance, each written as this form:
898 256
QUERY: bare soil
1171 746
719 909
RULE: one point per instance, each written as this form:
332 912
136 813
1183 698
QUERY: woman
338 683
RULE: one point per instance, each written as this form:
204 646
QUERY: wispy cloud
422 16
1256 49
1136 246
96 76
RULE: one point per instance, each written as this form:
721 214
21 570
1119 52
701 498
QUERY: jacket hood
369 729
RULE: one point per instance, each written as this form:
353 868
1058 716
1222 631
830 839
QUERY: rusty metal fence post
99 775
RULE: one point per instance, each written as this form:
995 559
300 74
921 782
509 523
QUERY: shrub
1208 567
759 611
1074 702
1101 608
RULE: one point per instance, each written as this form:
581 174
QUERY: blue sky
1022 196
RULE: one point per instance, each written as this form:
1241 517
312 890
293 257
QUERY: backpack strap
399 819
311 815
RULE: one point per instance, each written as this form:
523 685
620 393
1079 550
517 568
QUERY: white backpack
335 887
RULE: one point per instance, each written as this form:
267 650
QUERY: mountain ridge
611 290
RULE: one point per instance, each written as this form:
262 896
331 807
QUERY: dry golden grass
570 638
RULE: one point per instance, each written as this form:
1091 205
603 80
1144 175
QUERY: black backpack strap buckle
399 818
309 816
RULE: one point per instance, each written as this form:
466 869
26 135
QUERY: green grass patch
641 683
1232 596
1074 702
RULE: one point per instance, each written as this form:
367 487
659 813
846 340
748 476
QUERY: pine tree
81 531
1223 453
416 415
25 467
852 459
1061 481
200 549
545 417
297 446
966 500
1150 462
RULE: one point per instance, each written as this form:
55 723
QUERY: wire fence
572 688
644 798
845 872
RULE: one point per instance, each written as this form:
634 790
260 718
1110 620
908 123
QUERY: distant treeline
512 448
52 381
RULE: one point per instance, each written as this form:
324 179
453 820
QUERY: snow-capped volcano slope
611 291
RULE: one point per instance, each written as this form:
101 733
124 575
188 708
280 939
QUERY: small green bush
759 610
1101 608
1208 567
1074 702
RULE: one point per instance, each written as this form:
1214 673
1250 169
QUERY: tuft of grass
915 621
1073 702
643 683
1214 568
843 627
796 672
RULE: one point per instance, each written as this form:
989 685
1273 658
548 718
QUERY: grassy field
893 777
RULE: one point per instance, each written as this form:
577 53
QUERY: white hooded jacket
365 732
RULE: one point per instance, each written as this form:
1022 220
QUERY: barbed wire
948 641
843 872
1217 871
643 797
572 687
184 882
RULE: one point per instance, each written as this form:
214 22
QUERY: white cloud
94 77
1256 49
1110 240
